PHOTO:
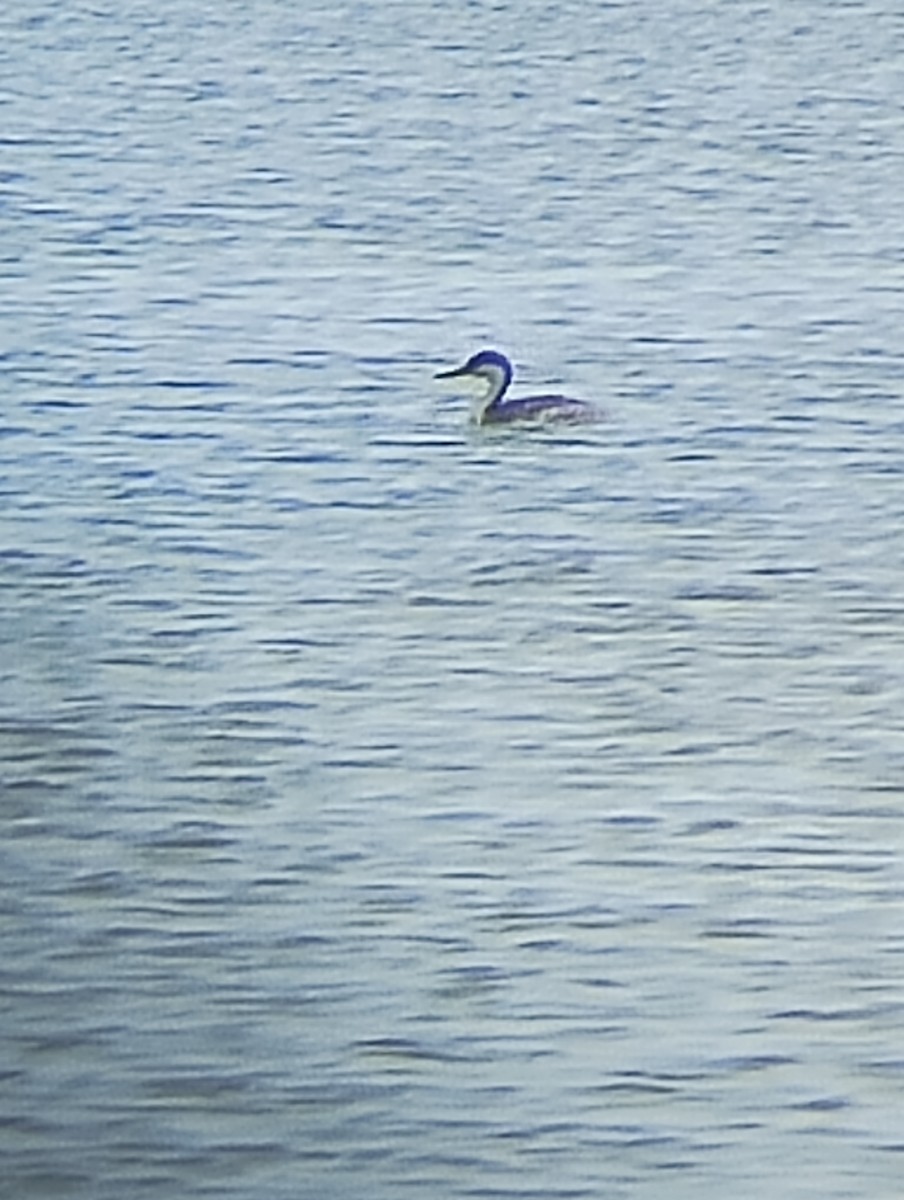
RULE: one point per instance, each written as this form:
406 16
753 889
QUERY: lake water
398 809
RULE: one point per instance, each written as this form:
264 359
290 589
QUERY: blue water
393 808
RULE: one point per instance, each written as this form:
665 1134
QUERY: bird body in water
492 408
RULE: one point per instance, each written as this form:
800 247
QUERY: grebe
493 409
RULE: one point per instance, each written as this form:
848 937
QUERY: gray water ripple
394 806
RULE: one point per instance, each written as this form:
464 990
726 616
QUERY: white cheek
492 378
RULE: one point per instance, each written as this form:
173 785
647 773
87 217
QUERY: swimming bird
492 408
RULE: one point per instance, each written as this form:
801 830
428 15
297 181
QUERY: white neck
497 380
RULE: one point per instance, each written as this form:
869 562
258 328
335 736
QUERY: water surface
394 808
